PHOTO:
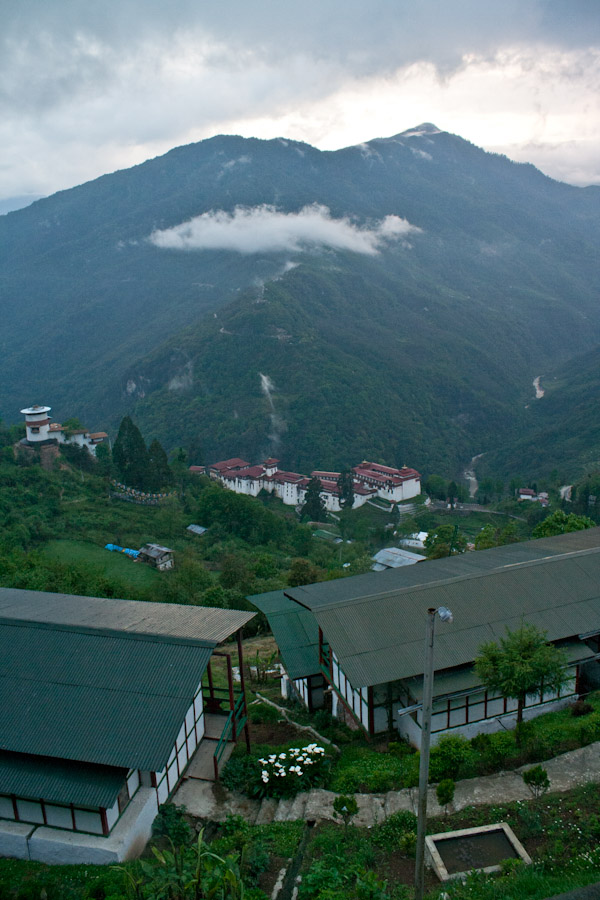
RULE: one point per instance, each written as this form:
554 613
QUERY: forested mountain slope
422 351
561 429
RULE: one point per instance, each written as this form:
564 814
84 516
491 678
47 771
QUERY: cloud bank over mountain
264 229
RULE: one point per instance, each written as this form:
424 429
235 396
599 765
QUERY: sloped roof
93 695
295 630
194 623
58 781
376 623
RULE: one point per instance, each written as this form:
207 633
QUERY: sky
89 88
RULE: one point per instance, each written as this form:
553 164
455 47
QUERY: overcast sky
90 87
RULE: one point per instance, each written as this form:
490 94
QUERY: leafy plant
445 793
392 832
170 822
345 808
537 781
450 757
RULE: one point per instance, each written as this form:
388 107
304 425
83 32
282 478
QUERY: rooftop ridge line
443 582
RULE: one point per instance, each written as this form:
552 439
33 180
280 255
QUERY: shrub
536 780
590 729
392 832
445 792
450 758
581 708
345 808
400 748
495 749
170 822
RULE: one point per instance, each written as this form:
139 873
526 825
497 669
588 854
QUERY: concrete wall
126 841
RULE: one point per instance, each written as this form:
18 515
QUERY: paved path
208 800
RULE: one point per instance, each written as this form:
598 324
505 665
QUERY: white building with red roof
40 430
394 485
370 480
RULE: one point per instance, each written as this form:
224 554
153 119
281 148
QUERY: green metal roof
174 620
58 781
294 629
95 696
377 627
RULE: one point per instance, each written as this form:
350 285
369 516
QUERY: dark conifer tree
130 455
346 486
313 502
159 472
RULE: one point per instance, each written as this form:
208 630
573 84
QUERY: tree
130 455
436 487
103 459
301 572
159 473
346 486
486 538
313 502
521 663
561 523
447 540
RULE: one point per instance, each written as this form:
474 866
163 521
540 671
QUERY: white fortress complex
41 431
370 480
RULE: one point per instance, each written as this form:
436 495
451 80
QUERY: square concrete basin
453 854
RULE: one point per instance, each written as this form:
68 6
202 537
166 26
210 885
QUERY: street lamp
445 616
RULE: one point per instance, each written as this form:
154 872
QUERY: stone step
283 808
292 809
267 811
298 807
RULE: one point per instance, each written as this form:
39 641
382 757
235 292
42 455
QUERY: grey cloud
263 229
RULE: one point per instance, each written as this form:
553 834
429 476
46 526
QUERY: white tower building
37 423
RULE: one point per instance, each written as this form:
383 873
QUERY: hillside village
349 657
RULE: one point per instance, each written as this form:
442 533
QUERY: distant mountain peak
426 128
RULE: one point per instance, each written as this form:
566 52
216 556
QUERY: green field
112 565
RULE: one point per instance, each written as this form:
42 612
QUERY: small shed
197 529
158 557
393 558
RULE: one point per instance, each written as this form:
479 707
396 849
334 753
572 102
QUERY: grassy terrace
115 566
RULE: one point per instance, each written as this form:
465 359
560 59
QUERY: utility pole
445 616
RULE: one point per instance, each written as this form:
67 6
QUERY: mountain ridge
503 269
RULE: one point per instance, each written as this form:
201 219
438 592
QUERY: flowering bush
290 772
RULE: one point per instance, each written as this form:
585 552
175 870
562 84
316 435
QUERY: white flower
272 759
282 773
282 756
308 761
294 750
265 777
298 771
265 774
263 762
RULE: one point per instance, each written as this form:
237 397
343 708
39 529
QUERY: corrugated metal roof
464 564
394 557
379 636
92 696
56 781
294 629
172 620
